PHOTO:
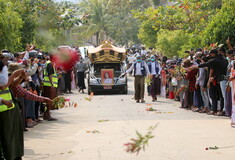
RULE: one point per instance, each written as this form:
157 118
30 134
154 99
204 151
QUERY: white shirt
26 56
32 70
138 68
201 77
4 76
153 68
108 81
136 54
131 59
143 52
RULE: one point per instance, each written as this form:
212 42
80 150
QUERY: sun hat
13 67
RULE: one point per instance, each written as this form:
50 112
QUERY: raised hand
7 103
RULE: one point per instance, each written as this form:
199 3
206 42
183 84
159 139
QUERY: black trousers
215 95
67 79
23 112
188 99
81 81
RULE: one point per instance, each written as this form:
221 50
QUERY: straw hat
13 67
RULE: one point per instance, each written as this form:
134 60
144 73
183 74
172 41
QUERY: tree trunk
97 38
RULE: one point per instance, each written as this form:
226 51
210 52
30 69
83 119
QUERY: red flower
67 99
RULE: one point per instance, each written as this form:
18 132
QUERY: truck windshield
115 66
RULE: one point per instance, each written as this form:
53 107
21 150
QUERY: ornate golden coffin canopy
107 53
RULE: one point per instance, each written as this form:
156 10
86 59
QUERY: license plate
107 87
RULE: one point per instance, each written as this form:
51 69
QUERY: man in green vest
50 84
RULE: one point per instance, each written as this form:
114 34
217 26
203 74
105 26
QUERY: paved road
181 134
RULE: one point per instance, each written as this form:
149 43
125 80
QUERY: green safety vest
6 95
46 77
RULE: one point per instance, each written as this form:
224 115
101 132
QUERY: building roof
106 45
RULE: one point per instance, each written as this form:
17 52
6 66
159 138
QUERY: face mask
138 60
152 60
227 58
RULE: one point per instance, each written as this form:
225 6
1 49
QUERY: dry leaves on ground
164 112
212 148
90 97
104 120
93 131
150 109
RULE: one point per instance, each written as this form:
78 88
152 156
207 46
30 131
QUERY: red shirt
191 76
19 91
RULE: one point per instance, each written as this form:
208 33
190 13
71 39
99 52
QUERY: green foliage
121 24
183 24
112 18
148 34
169 42
140 143
10 26
95 13
186 24
44 23
221 25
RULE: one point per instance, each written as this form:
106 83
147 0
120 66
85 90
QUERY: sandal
211 113
220 113
38 120
51 119
205 110
196 110
29 125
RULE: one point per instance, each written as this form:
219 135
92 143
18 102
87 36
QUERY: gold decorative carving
107 58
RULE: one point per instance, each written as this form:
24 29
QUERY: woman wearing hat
11 135
10 120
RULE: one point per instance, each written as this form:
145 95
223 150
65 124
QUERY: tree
187 17
121 25
95 14
221 25
147 34
169 42
113 18
10 26
44 23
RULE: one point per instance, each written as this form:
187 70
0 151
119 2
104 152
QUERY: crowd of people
203 81
29 81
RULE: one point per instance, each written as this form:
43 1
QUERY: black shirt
50 69
219 65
